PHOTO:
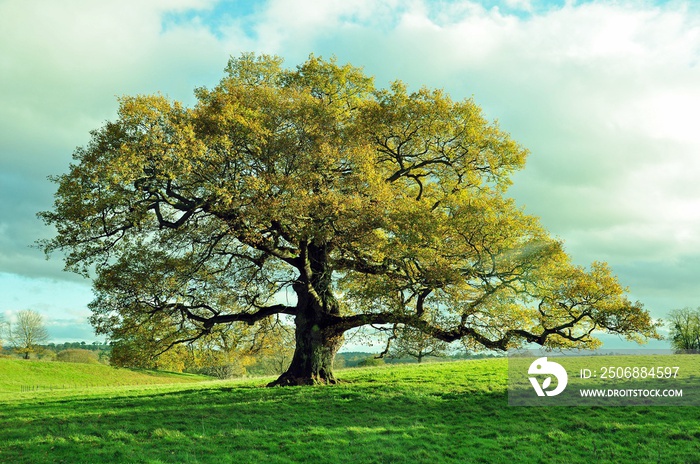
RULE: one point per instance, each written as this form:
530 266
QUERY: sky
604 94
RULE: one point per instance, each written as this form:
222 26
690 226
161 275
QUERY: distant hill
18 375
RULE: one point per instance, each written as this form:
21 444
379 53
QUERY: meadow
432 413
18 375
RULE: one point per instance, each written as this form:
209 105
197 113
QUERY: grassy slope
19 374
453 412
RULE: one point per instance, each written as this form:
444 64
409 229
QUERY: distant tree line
364 359
94 346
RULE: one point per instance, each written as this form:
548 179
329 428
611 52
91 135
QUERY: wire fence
82 386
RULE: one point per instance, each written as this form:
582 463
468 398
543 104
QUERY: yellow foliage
367 205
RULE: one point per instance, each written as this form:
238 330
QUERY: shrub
223 371
371 361
77 355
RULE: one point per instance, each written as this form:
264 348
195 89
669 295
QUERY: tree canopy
311 193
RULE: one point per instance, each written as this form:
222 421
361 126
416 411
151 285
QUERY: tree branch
461 331
248 318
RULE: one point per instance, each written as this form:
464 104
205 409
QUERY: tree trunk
316 347
317 341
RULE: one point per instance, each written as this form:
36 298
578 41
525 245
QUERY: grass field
451 412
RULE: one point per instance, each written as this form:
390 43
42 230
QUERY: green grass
452 412
19 375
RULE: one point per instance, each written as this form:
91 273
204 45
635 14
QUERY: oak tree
311 193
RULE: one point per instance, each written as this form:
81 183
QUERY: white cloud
58 302
525 5
61 66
